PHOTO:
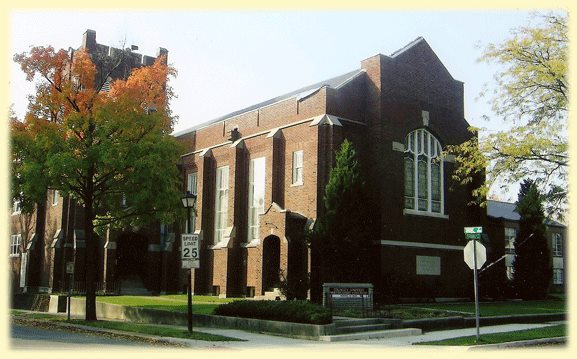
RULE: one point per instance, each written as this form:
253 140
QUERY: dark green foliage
532 270
295 311
344 233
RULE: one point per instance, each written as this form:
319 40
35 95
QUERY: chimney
162 51
89 41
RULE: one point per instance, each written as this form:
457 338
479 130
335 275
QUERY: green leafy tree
107 150
344 233
532 270
531 97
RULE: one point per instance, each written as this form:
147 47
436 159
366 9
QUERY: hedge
295 311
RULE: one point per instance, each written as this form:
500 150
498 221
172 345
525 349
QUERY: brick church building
259 175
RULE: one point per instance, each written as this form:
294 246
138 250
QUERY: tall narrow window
15 245
557 245
221 204
192 183
55 197
298 167
16 208
510 234
423 170
255 196
191 186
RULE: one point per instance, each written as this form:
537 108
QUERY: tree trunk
91 249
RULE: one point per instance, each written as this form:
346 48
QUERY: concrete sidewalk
257 341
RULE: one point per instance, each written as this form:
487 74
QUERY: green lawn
174 303
498 308
553 331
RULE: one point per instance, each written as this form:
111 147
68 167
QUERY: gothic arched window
423 173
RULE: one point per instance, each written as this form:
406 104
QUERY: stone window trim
423 175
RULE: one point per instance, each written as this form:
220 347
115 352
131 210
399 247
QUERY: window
15 245
557 276
510 234
510 271
221 204
16 208
192 183
55 197
298 167
423 173
255 196
557 245
191 186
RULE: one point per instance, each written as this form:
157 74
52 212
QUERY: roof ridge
407 46
340 79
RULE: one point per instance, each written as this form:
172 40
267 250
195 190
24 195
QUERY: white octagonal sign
469 251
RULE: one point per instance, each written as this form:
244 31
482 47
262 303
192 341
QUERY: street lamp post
189 201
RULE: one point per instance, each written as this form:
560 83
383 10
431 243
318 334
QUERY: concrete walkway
265 342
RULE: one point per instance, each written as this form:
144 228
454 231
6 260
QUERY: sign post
190 259
475 255
70 272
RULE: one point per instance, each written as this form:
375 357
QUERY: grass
498 308
553 331
173 303
148 329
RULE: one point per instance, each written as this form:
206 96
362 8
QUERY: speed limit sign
190 251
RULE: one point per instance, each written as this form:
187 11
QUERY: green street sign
472 235
473 230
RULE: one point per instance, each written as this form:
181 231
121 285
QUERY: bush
296 311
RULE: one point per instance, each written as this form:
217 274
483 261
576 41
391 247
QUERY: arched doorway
270 263
131 253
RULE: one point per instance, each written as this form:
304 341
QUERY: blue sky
232 59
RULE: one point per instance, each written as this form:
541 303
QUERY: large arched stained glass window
423 172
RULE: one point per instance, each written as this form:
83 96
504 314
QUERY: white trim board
421 245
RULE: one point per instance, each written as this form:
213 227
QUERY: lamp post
189 201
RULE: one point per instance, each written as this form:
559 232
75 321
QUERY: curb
129 335
521 343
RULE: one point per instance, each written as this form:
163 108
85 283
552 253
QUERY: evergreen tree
344 233
532 270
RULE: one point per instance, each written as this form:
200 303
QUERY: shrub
296 311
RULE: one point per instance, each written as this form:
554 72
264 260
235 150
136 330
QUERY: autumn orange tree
111 151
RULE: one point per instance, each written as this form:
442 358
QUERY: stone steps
380 334
361 328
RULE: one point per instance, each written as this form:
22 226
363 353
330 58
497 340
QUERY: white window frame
510 233
192 187
221 203
557 245
558 276
55 197
257 183
298 168
16 208
421 145
15 242
510 272
192 183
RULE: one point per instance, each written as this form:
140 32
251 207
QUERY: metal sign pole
69 294
476 284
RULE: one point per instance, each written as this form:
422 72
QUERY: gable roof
335 82
506 210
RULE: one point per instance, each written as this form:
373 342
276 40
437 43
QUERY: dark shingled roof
506 210
334 82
